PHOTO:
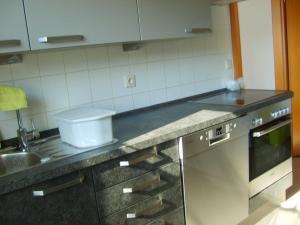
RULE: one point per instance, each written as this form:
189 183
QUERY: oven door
269 154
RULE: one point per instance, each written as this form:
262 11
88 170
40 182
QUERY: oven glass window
269 150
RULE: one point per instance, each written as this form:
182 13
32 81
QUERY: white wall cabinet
13 32
66 23
160 19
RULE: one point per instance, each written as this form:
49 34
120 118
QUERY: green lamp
14 98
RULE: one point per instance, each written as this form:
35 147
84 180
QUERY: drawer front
134 165
149 210
121 196
175 217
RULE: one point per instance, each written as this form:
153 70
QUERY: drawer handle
143 187
143 158
76 181
60 39
145 213
10 43
196 30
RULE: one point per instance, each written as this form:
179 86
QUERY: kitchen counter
141 129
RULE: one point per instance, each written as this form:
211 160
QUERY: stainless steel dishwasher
216 174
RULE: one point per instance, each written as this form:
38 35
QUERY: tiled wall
165 70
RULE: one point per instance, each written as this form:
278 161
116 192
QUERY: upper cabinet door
65 23
160 19
13 33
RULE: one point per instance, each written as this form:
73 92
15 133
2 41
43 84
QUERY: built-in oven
269 146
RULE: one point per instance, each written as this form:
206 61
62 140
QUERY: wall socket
130 81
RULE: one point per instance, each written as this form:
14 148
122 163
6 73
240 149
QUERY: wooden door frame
279 43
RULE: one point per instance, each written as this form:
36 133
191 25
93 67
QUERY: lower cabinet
62 201
147 190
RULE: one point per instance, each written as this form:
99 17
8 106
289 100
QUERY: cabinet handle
140 159
196 30
76 181
159 204
10 43
60 39
143 187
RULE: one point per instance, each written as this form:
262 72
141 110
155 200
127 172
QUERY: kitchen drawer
138 189
175 217
149 210
140 162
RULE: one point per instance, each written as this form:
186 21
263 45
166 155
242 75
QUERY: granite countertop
141 129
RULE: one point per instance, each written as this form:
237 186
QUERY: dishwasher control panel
220 131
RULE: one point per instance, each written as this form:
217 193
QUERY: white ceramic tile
156 77
187 73
117 57
154 51
170 50
141 75
79 88
158 96
8 129
188 90
55 92
138 56
51 120
51 63
123 104
172 73
7 83
100 84
27 69
117 81
97 57
198 45
34 94
211 43
202 68
5 74
141 100
105 104
40 122
8 115
174 93
185 47
75 60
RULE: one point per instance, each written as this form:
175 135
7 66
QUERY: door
65 23
67 200
13 35
173 18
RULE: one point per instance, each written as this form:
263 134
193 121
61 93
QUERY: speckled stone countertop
138 130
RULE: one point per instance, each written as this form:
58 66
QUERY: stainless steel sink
13 162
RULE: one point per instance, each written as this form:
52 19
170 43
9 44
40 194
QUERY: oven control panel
281 112
270 113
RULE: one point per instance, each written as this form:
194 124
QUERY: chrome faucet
24 136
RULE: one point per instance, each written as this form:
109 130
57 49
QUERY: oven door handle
270 129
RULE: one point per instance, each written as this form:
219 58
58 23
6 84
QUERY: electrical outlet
228 64
130 81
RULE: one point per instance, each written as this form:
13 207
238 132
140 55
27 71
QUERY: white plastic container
86 127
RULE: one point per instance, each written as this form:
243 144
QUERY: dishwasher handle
219 139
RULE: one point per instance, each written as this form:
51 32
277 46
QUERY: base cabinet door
63 201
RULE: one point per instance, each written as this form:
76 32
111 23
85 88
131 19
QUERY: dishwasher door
215 178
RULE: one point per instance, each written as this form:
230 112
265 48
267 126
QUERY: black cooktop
239 98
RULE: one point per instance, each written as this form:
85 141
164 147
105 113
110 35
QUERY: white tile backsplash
55 98
79 88
51 63
57 80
